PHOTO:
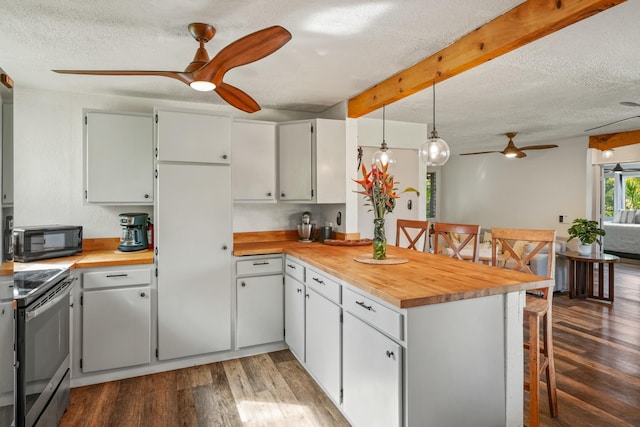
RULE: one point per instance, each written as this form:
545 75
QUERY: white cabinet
7 154
372 375
323 338
118 158
253 168
6 350
311 156
193 230
116 319
294 296
183 136
260 301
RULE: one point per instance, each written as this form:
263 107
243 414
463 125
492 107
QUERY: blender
305 228
134 232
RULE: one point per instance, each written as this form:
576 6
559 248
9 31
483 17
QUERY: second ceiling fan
204 74
511 150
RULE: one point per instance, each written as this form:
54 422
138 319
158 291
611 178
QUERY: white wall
48 157
532 192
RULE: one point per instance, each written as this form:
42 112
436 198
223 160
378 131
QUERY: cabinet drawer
323 285
294 269
113 278
259 266
373 313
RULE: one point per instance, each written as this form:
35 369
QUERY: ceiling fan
626 104
512 151
204 74
619 169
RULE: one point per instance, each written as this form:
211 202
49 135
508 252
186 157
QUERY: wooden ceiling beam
523 24
614 140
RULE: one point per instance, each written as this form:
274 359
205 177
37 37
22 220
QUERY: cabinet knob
269 194
282 195
306 295
142 294
390 354
224 247
299 290
146 196
224 157
243 284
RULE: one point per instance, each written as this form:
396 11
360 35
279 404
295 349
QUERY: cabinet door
260 310
192 137
6 349
193 230
253 169
330 140
295 167
119 158
372 381
294 294
7 154
116 328
323 337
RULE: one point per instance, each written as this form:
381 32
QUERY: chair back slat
413 230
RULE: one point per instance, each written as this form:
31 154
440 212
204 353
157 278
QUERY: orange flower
378 187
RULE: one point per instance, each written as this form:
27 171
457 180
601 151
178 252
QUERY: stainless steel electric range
42 361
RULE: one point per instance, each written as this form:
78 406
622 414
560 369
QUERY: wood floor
597 363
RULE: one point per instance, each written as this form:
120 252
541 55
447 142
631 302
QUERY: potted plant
587 232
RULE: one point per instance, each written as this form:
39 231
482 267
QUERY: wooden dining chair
413 230
537 312
444 231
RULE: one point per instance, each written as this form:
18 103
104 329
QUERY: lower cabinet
294 296
323 338
260 310
372 375
6 350
116 319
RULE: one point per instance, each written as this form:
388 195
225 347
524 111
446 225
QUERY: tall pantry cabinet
193 237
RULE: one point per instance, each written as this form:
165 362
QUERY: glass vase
379 239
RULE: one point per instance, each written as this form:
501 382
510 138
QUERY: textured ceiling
551 89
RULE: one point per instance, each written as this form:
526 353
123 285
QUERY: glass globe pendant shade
434 151
383 157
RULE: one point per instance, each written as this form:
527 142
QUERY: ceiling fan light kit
434 151
511 151
607 154
384 156
205 75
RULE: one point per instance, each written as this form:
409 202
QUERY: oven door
42 352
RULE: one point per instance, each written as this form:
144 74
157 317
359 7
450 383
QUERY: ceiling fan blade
612 123
538 147
179 75
237 98
243 51
521 154
479 152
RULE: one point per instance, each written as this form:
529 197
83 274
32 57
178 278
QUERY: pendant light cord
434 132
383 140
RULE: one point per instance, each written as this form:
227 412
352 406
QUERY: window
621 191
431 194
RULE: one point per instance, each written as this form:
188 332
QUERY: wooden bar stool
415 228
444 231
537 313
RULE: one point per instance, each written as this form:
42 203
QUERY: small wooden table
581 274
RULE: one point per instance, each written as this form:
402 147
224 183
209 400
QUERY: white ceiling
549 90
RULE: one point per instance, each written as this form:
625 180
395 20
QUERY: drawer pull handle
243 284
261 263
319 280
118 275
299 290
390 354
363 305
291 266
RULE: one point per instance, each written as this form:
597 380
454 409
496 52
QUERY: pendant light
384 156
434 151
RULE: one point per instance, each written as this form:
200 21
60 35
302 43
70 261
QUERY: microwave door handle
39 309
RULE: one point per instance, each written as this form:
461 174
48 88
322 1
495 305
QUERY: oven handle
64 290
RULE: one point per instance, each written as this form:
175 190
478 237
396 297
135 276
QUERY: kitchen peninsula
451 329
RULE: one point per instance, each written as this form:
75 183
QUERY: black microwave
49 241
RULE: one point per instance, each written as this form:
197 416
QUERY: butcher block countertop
425 279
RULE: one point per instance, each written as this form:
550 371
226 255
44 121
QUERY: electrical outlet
562 218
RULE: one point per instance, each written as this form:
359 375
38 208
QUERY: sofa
622 236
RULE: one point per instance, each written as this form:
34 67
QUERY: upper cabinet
7 154
118 158
253 168
180 137
311 156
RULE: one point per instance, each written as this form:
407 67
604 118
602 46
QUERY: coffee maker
134 232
